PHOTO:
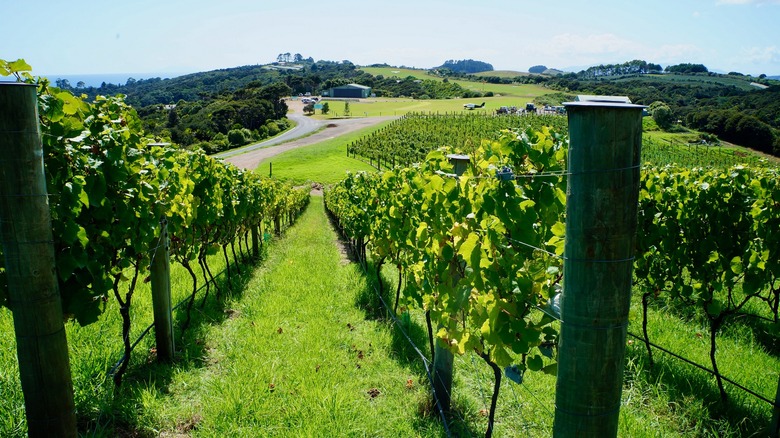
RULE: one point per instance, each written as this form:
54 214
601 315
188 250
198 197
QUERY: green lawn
298 356
387 106
324 163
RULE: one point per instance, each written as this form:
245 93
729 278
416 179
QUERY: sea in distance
95 80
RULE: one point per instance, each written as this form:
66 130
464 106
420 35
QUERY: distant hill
466 66
502 73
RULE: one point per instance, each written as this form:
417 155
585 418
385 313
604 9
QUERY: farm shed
350 90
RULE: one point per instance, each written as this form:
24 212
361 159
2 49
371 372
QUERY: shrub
237 137
273 128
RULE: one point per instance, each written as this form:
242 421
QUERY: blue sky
159 36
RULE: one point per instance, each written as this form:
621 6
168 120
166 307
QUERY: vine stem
496 389
124 310
645 296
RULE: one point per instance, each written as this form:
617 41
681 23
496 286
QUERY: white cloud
584 45
673 53
565 50
761 55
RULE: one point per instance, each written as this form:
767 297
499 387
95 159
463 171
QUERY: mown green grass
298 356
503 89
94 349
503 73
324 163
382 106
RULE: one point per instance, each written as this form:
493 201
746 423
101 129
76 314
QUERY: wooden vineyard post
255 242
28 246
601 208
160 274
442 356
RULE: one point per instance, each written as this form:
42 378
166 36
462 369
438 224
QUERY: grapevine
110 187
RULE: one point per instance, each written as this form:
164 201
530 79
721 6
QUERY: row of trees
635 67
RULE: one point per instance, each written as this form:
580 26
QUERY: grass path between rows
298 356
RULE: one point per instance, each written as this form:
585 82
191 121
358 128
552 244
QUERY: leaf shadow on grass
694 399
410 340
761 327
191 353
406 352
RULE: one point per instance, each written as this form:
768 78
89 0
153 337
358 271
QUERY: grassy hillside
696 80
503 73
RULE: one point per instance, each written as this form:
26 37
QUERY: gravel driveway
250 157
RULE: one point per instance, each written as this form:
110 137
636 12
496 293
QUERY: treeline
635 67
747 118
737 127
222 121
305 77
695 96
465 66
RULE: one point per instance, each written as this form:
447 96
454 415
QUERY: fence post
160 273
255 242
601 219
443 357
28 247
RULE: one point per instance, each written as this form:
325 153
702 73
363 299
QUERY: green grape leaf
535 363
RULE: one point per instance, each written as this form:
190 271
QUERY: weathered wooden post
601 207
442 356
160 273
34 297
255 241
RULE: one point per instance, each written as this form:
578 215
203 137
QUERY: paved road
249 157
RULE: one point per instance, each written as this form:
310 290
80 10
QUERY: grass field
522 90
700 80
324 163
380 106
503 73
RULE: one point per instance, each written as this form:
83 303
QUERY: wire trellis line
426 362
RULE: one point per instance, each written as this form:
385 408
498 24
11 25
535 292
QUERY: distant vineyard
409 139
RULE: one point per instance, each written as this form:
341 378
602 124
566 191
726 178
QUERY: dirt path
333 128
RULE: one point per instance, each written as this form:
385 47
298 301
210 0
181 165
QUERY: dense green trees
686 68
218 122
466 66
737 127
662 114
635 67
726 106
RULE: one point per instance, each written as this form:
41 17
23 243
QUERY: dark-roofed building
350 90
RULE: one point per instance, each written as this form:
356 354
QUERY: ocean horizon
96 79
